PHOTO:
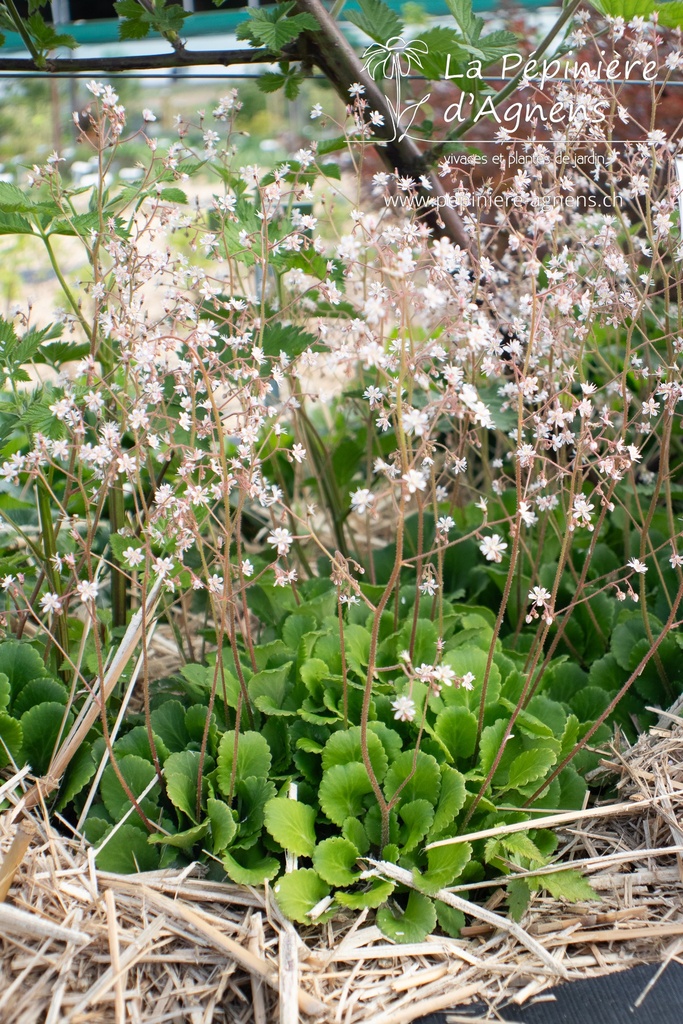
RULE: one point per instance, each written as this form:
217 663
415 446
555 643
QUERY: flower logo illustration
395 60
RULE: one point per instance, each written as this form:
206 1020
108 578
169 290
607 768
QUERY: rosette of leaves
222 793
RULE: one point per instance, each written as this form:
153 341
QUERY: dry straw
79 945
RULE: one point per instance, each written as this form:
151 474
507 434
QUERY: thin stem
25 37
118 576
52 573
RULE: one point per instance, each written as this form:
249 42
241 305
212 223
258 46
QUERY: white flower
373 395
414 481
493 547
527 514
415 421
444 524
356 89
282 578
539 595
134 556
281 539
675 560
404 709
148 116
444 675
316 111
582 512
299 452
163 566
467 681
87 591
215 584
247 568
7 582
362 500
637 565
50 603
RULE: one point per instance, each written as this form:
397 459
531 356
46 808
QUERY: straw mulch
79 945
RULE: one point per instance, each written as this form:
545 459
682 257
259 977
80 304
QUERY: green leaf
572 789
518 898
424 782
81 769
128 852
268 690
457 728
45 36
443 54
184 840
567 885
20 662
223 825
252 796
195 723
95 828
469 24
494 46
39 691
168 721
417 816
5 691
452 798
344 746
471 659
626 9
342 791
181 772
137 742
43 726
253 758
391 740
298 892
292 825
314 671
253 868
353 830
295 627
274 28
377 893
518 844
490 744
173 195
413 924
133 28
670 14
450 919
376 19
444 864
13 200
11 738
138 774
335 859
589 703
271 81
530 766
13 224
